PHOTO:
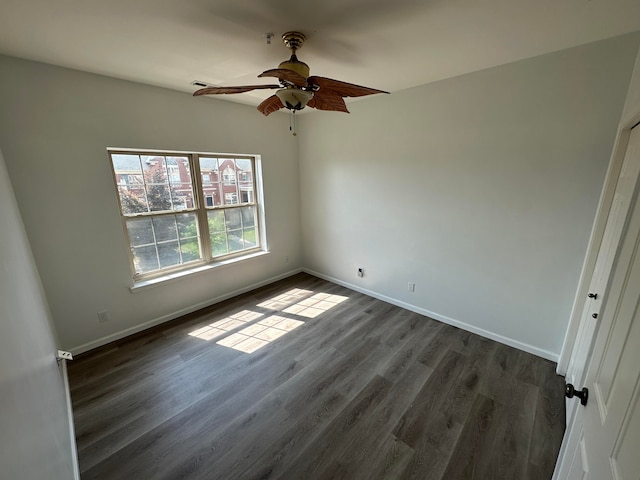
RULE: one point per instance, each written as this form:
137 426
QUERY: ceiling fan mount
293 40
297 89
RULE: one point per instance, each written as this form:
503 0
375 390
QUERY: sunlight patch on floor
313 306
285 299
255 335
221 327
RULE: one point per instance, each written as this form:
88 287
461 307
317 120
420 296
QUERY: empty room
340 240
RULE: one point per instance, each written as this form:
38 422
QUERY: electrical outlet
63 355
361 272
411 287
103 316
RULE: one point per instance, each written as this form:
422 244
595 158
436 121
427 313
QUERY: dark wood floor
353 388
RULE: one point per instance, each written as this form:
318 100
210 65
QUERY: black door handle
593 295
571 392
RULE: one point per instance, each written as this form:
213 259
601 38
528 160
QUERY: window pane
155 167
233 219
216 221
187 225
236 242
217 232
243 165
229 185
145 259
145 234
228 168
248 216
165 228
132 200
219 244
209 174
156 183
140 232
190 250
245 181
250 238
182 196
158 197
129 178
125 164
209 170
210 181
189 237
180 181
178 169
169 254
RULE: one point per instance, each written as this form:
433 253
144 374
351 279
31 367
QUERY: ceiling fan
297 89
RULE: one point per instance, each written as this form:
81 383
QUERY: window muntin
178 211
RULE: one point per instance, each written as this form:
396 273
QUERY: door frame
595 241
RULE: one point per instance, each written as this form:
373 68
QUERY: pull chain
292 123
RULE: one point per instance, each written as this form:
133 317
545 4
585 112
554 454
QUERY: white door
620 206
603 443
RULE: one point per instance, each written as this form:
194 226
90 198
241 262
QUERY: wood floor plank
353 388
294 435
317 460
390 461
356 454
473 450
412 427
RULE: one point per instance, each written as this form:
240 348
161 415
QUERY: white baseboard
442 318
172 316
436 316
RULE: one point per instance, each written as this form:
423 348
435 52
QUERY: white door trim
569 346
595 241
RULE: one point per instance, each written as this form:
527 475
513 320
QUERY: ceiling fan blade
286 75
226 90
325 100
270 105
342 89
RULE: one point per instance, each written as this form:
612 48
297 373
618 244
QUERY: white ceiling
385 44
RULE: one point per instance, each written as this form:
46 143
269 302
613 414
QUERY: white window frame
200 208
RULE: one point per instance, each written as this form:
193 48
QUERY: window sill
170 277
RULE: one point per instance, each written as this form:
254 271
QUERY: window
229 175
178 212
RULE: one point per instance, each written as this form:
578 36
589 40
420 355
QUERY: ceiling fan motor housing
296 65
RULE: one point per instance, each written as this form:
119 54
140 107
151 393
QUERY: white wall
55 126
632 102
35 441
481 189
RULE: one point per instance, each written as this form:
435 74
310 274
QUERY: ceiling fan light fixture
294 98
